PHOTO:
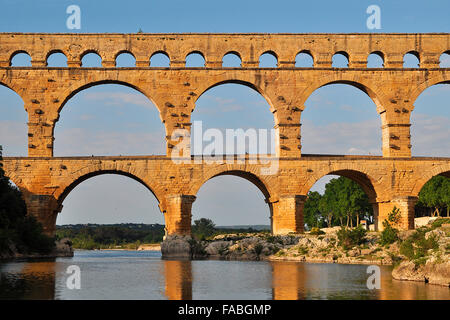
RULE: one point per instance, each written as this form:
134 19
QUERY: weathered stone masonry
393 179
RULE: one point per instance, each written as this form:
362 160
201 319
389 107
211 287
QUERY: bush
349 238
389 235
258 249
439 222
416 246
316 231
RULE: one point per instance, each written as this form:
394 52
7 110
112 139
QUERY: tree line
95 236
344 203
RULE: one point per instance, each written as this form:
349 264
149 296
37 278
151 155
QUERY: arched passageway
109 119
13 124
233 199
232 118
352 124
343 197
109 197
430 130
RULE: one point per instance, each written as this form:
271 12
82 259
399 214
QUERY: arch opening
125 60
304 59
429 122
20 59
340 60
232 118
411 59
110 208
57 59
13 124
91 59
353 124
109 119
341 198
268 60
231 60
375 60
434 197
160 59
233 198
444 60
195 60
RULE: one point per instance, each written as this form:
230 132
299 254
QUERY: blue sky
338 118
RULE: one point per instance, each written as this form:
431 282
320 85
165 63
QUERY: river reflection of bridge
187 280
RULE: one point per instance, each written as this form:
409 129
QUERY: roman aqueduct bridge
393 179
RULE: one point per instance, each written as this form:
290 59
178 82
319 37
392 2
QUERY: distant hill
133 226
258 227
143 226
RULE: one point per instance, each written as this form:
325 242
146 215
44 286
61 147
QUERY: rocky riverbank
63 248
421 255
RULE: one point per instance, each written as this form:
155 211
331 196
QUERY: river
144 275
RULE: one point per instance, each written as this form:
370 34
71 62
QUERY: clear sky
338 118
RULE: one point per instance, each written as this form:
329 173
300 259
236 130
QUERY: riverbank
63 248
417 255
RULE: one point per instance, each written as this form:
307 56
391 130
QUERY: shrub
439 222
316 231
416 246
303 250
389 235
258 248
349 238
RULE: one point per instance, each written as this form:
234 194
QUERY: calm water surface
143 275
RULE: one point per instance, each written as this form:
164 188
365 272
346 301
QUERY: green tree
311 211
203 228
435 194
344 199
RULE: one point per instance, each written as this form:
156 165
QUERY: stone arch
358 175
125 52
341 53
441 78
415 54
51 52
122 52
234 80
19 138
266 186
196 52
270 53
232 53
443 170
444 54
78 87
354 81
379 54
11 87
15 53
93 171
89 51
306 52
159 52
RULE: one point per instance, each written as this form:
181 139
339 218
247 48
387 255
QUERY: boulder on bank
63 248
433 272
175 246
